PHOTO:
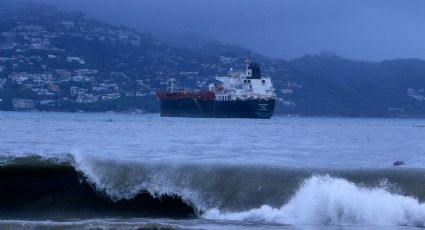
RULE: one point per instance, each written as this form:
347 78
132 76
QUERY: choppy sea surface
129 171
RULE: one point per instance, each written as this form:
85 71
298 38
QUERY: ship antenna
248 59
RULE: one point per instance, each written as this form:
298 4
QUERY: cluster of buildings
37 56
79 86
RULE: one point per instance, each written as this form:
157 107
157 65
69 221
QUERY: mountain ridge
65 61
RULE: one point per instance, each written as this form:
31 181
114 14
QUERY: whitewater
131 171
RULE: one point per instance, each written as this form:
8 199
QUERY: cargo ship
245 94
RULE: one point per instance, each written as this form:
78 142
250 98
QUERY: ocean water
110 170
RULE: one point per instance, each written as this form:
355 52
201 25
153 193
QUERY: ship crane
171 88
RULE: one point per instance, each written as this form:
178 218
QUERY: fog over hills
67 61
360 30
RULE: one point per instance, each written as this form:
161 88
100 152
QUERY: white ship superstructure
246 85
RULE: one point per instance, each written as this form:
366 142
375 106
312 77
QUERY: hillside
66 61
338 86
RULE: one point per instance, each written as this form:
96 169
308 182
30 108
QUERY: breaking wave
83 186
39 187
326 200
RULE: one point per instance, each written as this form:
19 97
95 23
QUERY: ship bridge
244 85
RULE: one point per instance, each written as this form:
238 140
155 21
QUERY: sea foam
327 200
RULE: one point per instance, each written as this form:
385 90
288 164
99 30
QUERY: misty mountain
358 88
366 30
66 61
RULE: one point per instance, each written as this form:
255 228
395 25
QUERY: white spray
333 201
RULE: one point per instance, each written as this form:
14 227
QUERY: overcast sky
357 29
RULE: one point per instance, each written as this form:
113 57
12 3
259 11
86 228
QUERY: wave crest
335 201
42 187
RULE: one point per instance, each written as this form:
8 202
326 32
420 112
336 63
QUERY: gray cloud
358 29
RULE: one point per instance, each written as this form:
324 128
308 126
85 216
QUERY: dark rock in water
398 163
